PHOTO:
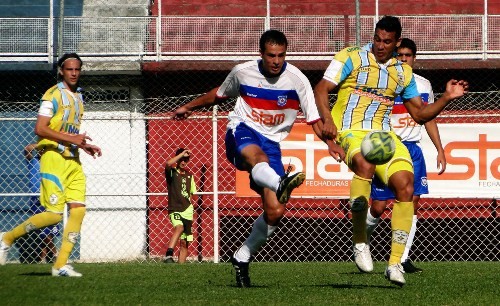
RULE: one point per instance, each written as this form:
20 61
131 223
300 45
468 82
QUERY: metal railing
171 37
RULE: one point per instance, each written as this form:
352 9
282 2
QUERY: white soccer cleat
66 270
363 257
4 250
394 273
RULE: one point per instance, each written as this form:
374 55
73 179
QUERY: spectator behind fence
63 181
181 187
39 244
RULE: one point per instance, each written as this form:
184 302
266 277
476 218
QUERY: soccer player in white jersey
410 133
269 94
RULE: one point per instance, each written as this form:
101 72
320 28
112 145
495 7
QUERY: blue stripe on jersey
54 105
350 107
370 111
383 77
411 90
346 69
267 94
424 96
386 122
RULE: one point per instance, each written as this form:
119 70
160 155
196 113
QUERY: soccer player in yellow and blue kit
63 181
369 79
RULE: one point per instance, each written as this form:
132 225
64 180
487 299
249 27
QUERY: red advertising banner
472 152
302 149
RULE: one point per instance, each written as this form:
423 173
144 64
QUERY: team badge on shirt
282 100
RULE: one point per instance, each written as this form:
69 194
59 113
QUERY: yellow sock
34 222
402 218
359 195
70 235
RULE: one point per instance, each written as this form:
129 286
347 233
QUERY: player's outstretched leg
287 184
242 275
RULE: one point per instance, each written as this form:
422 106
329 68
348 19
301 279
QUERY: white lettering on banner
473 161
314 165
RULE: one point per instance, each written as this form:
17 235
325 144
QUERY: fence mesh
128 111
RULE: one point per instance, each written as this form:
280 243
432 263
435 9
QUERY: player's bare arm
208 99
43 130
334 149
321 92
175 159
433 132
422 113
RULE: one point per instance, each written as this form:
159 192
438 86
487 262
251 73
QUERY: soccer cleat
287 184
241 269
168 259
363 257
4 250
408 267
394 273
66 270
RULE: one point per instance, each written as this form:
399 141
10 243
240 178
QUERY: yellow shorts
63 181
185 219
350 140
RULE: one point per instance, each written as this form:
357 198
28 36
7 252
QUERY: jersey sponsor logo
69 128
267 119
373 94
401 79
404 122
282 100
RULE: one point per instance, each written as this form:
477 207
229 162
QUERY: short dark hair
272 37
390 24
60 62
410 44
179 151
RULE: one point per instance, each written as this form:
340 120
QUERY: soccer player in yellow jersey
63 181
368 80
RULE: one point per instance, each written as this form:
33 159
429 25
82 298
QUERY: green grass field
313 283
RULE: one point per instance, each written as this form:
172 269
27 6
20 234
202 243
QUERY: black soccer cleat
241 269
409 267
168 259
288 184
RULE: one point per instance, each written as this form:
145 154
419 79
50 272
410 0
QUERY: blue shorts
382 192
242 136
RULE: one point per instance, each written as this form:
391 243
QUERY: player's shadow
36 274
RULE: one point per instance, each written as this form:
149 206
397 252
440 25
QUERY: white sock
371 224
265 176
411 236
261 231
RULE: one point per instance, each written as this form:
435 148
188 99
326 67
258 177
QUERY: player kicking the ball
369 79
270 92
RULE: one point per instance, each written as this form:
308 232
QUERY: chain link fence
137 70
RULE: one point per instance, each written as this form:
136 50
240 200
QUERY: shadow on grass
36 274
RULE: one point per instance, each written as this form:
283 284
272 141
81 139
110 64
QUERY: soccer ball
378 147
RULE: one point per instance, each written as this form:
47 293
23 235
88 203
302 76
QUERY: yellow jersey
67 116
367 89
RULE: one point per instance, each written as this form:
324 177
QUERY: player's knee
377 208
274 215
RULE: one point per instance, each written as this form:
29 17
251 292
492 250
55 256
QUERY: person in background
46 236
181 187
